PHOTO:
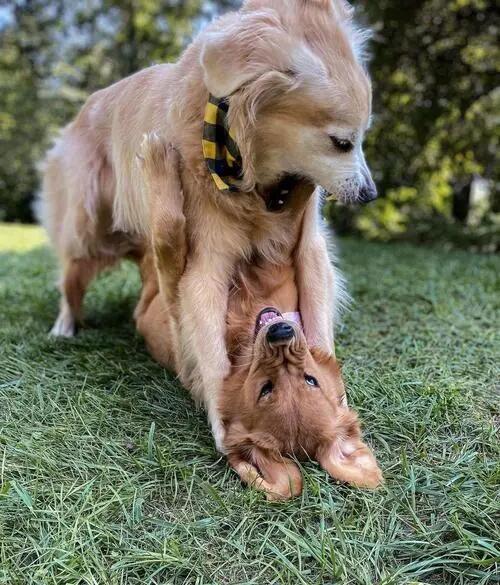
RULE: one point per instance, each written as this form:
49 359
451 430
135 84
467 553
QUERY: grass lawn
108 475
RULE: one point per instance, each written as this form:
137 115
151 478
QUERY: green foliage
54 53
25 56
434 67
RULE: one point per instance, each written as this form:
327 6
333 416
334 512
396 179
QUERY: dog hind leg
72 212
77 275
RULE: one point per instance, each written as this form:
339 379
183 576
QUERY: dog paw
154 153
64 326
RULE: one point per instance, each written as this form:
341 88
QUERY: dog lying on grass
281 398
266 98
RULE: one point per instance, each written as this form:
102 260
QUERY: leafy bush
435 130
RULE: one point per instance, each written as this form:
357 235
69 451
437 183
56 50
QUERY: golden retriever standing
281 398
297 101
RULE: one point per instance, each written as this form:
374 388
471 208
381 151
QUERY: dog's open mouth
278 194
267 316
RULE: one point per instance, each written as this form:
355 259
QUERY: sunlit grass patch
20 238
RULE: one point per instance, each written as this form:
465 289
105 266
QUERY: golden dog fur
296 88
293 417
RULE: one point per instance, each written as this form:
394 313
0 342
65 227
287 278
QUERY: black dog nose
280 332
368 192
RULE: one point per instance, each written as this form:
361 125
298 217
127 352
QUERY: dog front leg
203 295
160 166
316 282
316 296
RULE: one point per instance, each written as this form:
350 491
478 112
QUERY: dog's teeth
268 317
284 192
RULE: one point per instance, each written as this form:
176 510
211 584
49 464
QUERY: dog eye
342 144
266 389
311 380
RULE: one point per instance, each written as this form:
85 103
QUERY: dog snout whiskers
368 193
294 356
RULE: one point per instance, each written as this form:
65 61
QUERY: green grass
108 474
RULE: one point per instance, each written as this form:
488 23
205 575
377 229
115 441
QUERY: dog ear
255 458
222 75
279 478
347 458
247 48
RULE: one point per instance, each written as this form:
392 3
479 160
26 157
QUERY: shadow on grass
107 352
29 280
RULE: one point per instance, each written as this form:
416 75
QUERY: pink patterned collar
293 316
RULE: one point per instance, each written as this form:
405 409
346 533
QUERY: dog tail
49 201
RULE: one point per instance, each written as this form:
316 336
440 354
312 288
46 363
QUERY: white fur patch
65 325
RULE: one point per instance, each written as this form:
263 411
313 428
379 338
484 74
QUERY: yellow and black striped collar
220 150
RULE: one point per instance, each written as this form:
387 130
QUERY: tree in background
437 101
53 53
434 66
26 56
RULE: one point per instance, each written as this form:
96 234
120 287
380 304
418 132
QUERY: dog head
300 99
289 400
